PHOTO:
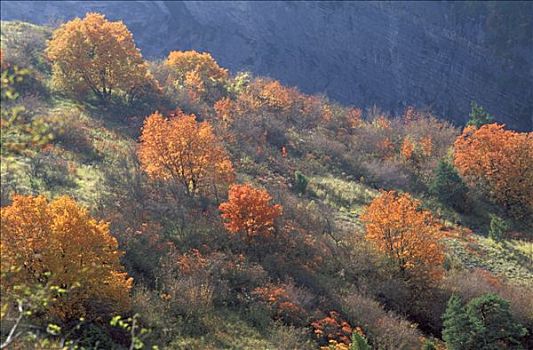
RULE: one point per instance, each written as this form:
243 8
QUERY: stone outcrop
362 53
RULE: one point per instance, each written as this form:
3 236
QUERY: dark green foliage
429 345
359 343
478 116
448 186
456 325
493 325
497 228
484 324
300 182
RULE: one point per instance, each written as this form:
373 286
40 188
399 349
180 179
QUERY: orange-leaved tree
408 235
185 151
248 211
58 242
408 148
94 54
197 72
499 160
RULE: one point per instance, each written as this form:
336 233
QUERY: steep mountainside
435 55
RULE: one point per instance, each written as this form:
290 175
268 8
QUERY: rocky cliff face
432 55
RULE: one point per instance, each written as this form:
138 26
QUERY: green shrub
448 186
429 345
484 324
497 228
300 182
359 342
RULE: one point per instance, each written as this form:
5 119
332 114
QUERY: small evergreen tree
478 116
456 332
492 324
497 228
448 186
485 324
300 182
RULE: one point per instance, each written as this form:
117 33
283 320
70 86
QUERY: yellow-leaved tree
58 242
94 54
407 234
186 152
197 72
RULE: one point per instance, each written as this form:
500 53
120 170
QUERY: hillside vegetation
177 205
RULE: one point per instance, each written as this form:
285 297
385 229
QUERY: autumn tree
500 162
353 117
248 211
186 152
274 96
408 148
408 235
59 240
94 54
197 72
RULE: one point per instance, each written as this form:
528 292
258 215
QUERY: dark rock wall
435 55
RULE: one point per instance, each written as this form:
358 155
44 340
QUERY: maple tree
407 149
94 54
184 151
499 160
248 210
197 72
408 235
59 242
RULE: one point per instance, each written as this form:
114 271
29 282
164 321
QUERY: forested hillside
177 204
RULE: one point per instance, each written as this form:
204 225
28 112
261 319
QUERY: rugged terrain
439 56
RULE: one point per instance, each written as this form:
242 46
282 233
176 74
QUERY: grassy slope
512 259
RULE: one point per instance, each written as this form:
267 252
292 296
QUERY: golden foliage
196 71
408 235
354 117
500 159
407 149
426 143
185 151
275 96
382 122
61 240
248 210
98 55
223 109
